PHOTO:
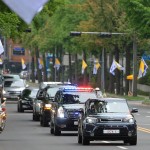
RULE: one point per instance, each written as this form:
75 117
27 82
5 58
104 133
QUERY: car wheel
18 108
56 130
133 141
35 117
51 128
79 138
85 140
21 109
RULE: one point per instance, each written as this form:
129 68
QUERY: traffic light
74 33
105 35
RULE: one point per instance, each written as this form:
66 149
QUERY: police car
67 106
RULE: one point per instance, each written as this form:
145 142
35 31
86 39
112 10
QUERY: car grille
110 120
14 92
74 114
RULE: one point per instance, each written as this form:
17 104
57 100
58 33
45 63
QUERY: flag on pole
23 63
84 65
1 61
96 66
1 48
142 69
114 66
25 9
57 64
40 63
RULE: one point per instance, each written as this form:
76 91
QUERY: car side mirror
134 110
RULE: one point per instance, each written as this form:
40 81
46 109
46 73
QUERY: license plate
75 122
111 131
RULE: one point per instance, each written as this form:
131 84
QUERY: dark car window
26 93
15 83
108 107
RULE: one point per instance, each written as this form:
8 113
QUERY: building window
18 51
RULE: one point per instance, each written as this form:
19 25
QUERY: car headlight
47 106
91 120
128 120
4 92
60 112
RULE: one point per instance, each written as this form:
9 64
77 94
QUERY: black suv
25 102
67 107
46 96
107 119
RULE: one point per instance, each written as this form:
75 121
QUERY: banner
142 68
96 66
114 66
84 65
23 63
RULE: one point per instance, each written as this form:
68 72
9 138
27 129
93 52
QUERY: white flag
1 48
112 68
26 9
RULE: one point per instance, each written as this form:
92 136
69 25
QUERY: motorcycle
2 119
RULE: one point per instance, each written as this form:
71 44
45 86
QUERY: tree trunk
33 70
44 67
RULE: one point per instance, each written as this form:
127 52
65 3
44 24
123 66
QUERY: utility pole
134 85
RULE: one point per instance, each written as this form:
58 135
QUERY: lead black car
107 119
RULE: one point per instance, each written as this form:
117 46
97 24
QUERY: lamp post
102 35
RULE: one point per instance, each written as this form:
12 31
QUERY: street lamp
109 35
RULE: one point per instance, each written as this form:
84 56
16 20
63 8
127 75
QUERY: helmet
97 89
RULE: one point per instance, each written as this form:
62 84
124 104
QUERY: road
21 133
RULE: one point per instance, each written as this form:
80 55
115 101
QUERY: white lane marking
148 112
147 116
122 147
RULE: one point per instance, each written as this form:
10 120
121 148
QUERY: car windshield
77 97
111 106
33 93
52 91
17 83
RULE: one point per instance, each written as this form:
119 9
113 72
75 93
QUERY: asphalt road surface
21 133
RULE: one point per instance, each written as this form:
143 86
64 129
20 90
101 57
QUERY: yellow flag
23 63
57 64
84 65
96 66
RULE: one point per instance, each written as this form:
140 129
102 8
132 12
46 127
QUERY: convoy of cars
67 107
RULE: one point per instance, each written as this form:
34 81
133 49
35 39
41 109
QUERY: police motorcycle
2 116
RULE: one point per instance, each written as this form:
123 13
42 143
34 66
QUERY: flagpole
102 76
55 66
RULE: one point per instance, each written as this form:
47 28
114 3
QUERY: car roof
13 79
107 99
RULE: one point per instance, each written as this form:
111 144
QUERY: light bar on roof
78 89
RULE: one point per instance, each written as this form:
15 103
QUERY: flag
26 9
40 63
57 64
142 69
1 48
23 64
114 66
1 61
84 65
96 66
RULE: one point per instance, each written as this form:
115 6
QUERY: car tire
85 140
44 122
79 138
51 128
21 109
35 117
133 141
56 130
